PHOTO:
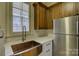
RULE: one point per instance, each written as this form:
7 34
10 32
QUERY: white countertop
8 49
43 39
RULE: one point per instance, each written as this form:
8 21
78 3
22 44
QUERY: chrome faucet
23 33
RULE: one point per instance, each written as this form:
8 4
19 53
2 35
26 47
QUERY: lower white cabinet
46 49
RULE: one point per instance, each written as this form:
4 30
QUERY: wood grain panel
49 19
57 11
68 9
41 21
45 15
77 7
63 9
45 19
40 13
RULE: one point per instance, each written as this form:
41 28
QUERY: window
20 16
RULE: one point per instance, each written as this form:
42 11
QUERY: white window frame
20 18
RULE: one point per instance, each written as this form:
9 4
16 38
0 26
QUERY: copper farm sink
27 45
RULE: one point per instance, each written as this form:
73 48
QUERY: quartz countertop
8 49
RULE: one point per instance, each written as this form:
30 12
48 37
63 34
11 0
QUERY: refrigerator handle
77 23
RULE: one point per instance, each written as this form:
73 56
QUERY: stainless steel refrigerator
66 31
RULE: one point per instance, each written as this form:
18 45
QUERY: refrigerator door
66 32
59 26
65 45
73 45
67 25
60 45
72 25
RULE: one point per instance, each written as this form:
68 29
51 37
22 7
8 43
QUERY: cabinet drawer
48 52
47 45
46 49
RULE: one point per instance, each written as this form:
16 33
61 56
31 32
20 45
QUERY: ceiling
49 3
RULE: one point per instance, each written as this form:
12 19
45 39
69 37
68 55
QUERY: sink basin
27 45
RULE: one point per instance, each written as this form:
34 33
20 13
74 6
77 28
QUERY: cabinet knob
48 50
47 44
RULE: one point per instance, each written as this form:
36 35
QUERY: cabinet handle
47 44
48 50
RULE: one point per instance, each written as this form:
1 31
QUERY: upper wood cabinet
49 18
68 9
63 9
56 11
40 18
77 7
44 15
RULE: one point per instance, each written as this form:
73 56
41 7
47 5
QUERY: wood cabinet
49 19
77 7
56 11
40 19
68 9
44 16
63 9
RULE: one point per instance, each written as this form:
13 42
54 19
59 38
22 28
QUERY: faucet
23 33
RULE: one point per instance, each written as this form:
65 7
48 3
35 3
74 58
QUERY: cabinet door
49 18
56 11
45 18
63 10
47 49
77 7
68 9
36 16
40 19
